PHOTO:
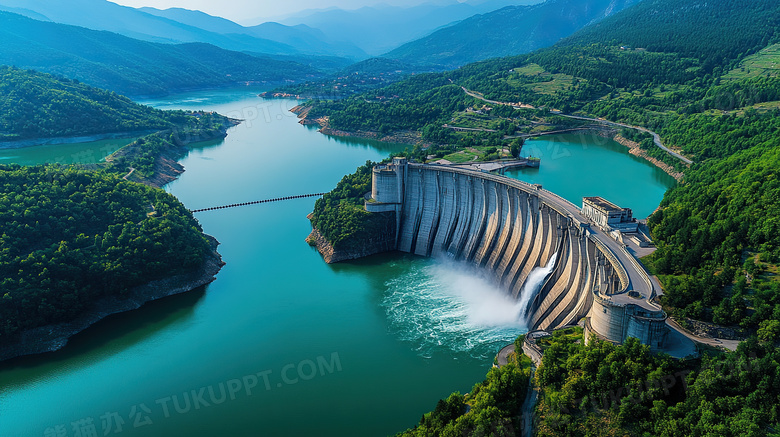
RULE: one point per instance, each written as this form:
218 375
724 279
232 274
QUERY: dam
511 229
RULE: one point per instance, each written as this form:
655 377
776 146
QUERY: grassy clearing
475 121
535 78
760 107
764 63
461 157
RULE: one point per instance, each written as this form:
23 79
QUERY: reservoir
282 343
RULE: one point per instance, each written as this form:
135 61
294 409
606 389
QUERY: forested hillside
37 105
356 78
340 216
70 236
602 389
129 66
693 70
505 32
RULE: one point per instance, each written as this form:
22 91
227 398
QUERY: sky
255 11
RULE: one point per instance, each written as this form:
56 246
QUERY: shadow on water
377 270
363 143
114 334
206 145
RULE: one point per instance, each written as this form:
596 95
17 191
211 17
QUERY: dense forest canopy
603 389
491 408
38 105
68 237
341 217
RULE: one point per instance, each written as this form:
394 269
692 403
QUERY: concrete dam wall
508 229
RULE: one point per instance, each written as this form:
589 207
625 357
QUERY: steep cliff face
359 247
54 337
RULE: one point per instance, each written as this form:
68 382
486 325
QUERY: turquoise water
66 154
577 166
282 343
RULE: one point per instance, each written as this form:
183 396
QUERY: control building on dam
508 228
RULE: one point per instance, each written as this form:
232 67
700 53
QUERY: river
282 343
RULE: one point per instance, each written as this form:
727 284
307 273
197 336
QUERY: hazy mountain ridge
129 66
300 38
509 31
175 26
378 29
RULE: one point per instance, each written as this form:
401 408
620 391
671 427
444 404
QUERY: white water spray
533 284
444 305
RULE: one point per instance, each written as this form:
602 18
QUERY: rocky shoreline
404 137
411 137
51 338
635 150
323 246
167 167
330 255
20 144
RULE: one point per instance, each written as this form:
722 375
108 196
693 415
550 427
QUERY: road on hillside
656 137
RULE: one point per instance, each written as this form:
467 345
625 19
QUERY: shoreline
33 142
408 138
331 255
634 149
401 137
167 167
51 338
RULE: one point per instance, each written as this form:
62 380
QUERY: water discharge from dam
447 306
533 284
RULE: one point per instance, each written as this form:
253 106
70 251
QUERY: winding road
715 342
656 137
529 403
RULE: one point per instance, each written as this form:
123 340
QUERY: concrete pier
509 228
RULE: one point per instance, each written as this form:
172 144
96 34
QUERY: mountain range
130 66
181 26
508 31
381 28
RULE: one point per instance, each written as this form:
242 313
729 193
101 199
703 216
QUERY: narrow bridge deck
257 202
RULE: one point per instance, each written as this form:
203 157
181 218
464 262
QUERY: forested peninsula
82 242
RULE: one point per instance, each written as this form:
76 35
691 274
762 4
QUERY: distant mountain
303 39
357 78
509 31
129 66
378 29
174 26
25 12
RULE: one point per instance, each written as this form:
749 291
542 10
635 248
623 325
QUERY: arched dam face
509 228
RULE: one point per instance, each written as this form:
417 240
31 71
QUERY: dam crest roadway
509 228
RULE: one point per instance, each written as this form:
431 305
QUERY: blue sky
247 11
